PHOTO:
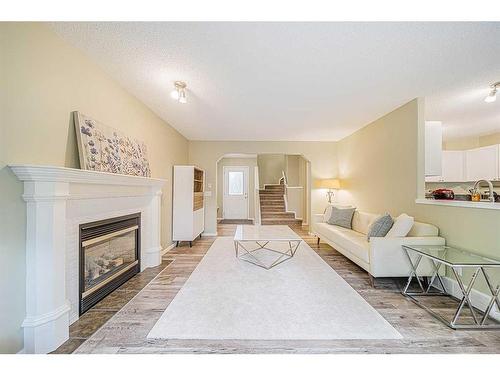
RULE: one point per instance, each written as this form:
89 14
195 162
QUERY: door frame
224 188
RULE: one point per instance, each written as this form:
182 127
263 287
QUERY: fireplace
109 256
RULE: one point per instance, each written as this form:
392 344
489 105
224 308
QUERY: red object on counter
446 194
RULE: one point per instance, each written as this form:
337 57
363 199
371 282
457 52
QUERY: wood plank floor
126 331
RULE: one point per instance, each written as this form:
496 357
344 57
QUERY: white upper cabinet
433 148
453 166
482 163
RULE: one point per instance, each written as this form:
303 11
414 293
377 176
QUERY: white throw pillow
401 227
328 211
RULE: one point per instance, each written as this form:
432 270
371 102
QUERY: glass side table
457 260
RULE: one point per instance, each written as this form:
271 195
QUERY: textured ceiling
296 81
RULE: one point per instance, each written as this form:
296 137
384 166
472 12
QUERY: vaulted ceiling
295 81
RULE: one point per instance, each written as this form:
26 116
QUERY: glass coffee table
457 260
265 246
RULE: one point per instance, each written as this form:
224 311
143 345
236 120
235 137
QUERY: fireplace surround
58 201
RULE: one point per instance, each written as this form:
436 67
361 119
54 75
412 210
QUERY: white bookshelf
188 203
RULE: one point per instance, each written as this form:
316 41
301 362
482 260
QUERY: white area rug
302 298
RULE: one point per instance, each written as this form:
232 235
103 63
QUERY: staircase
272 206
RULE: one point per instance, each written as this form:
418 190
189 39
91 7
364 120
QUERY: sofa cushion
348 239
341 217
361 221
325 230
353 242
328 210
380 226
402 226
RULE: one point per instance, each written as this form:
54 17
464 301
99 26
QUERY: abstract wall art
104 149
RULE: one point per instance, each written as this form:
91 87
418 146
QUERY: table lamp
328 183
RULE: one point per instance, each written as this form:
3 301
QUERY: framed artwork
104 149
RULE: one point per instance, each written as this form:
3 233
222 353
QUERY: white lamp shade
328 183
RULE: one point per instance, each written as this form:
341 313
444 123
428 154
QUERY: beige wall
296 170
270 168
322 155
381 167
467 143
43 80
251 163
293 165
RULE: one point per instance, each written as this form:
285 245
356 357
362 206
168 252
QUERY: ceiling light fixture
492 96
179 93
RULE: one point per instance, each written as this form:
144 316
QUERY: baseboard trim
478 299
167 249
205 234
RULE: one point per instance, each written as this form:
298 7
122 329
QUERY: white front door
235 200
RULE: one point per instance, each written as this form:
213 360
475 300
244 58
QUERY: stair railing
285 183
283 177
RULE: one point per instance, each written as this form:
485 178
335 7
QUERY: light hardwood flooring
125 331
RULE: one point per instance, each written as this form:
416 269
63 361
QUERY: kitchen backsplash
460 187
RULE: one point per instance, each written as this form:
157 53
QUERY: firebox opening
109 256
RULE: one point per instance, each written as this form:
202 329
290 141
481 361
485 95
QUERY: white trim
40 173
38 320
479 299
167 249
467 204
239 156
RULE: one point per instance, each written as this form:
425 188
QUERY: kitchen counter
457 203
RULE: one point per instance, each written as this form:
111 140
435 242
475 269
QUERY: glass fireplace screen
107 257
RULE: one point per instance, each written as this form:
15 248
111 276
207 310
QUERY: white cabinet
482 163
433 148
187 203
453 167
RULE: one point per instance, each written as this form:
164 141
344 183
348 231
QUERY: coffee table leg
413 272
466 294
436 267
494 299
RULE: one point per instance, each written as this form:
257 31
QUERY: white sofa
381 256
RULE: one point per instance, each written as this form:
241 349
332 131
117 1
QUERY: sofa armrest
387 257
318 218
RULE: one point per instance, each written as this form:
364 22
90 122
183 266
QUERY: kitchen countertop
458 203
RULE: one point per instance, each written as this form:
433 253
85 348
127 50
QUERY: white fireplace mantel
58 200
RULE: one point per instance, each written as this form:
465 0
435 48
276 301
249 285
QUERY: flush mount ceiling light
492 96
179 93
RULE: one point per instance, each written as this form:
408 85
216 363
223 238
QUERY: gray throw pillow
380 226
341 217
